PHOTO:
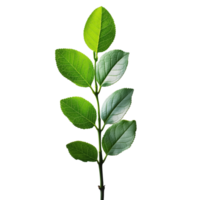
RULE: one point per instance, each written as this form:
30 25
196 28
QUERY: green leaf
79 111
116 106
99 31
75 66
82 151
119 137
111 67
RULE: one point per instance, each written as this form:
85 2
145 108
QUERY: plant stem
100 162
100 154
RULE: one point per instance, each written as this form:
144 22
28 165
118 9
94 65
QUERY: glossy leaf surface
116 106
119 137
99 31
82 151
75 66
79 111
111 67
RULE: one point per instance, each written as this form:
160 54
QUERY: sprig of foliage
106 67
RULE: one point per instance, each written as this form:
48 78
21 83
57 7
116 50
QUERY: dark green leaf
74 66
79 111
83 151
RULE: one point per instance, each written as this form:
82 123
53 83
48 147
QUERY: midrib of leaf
83 152
99 31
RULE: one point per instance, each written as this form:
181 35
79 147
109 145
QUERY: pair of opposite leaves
117 138
78 68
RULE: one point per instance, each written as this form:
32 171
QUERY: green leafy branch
99 33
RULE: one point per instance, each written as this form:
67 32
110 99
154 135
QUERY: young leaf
111 67
116 106
75 66
79 111
99 31
119 137
82 151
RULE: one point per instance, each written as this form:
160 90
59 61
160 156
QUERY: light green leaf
99 31
111 67
116 106
119 137
82 151
75 66
79 111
